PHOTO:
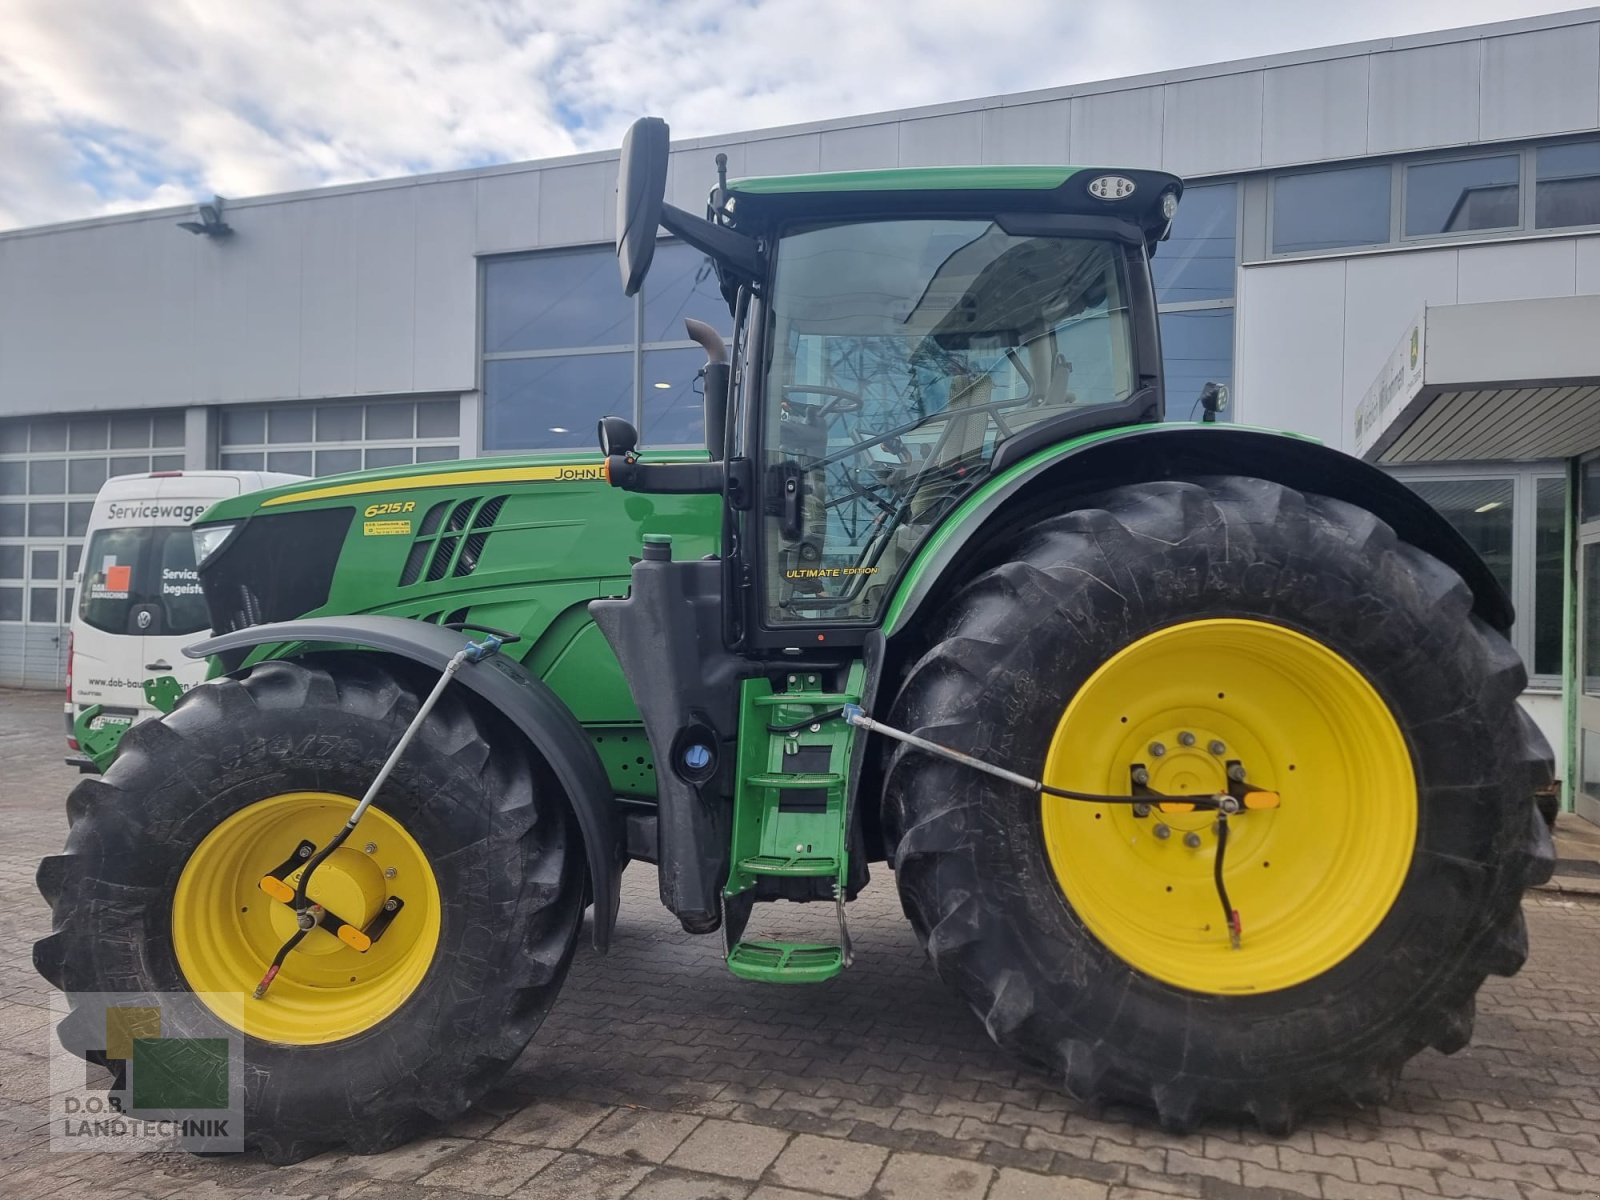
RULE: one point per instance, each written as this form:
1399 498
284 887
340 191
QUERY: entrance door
1586 795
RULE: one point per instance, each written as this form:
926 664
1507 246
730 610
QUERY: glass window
332 462
130 465
1591 621
1469 193
339 423
1591 761
47 520
13 478
42 604
1196 349
166 462
292 462
13 437
438 418
1568 187
11 559
1322 210
86 474
388 456
143 566
10 604
289 425
47 476
437 453
555 300
1481 511
902 352
391 421
1200 260
12 520
74 553
1549 574
78 513
682 283
242 460
87 433
45 565
130 431
674 400
168 428
553 403
50 434
246 426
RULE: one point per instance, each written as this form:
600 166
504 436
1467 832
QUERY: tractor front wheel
465 872
1188 638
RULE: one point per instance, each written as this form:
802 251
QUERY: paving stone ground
659 1076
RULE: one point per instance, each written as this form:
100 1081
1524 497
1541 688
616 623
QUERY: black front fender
503 683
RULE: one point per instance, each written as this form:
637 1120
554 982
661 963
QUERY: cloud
108 106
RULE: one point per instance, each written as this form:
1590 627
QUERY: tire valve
1235 929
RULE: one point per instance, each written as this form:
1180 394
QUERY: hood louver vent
451 540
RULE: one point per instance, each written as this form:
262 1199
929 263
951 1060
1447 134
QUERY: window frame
1326 169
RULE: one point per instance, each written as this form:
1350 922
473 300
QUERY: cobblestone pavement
660 1076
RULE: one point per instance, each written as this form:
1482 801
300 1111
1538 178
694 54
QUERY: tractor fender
1057 477
506 685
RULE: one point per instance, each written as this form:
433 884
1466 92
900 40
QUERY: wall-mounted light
210 223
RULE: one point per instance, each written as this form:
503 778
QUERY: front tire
159 892
1288 633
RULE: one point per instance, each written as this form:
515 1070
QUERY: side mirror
617 436
641 191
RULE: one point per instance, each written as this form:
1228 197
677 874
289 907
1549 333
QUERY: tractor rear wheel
1182 636
161 891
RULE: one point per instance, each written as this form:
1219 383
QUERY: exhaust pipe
716 374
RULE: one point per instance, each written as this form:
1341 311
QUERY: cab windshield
900 354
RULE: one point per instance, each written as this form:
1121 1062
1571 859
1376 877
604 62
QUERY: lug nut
1141 810
1186 738
1161 831
1218 749
1236 772
1140 773
371 847
304 852
1157 749
390 904
1192 840
390 873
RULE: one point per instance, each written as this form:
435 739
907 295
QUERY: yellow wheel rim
225 929
1311 879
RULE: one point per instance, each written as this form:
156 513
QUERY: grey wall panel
1382 293
1424 97
1540 83
508 212
1028 133
1587 253
446 314
783 155
1516 271
329 306
1212 125
573 201
693 173
1118 129
949 141
248 295
859 148
1290 369
384 231
1314 111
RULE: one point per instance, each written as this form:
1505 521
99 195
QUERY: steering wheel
842 400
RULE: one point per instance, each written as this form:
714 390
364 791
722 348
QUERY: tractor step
818 699
794 866
786 962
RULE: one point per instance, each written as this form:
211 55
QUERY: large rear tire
159 892
1177 628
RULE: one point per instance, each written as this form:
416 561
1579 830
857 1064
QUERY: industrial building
1392 245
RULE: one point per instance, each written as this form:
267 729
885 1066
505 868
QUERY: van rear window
141 580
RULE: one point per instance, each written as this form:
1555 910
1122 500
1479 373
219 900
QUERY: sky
116 105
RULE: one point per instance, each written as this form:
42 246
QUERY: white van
139 601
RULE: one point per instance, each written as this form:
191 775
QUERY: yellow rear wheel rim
1311 879
225 929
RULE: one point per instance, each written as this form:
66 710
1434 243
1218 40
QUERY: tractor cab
900 336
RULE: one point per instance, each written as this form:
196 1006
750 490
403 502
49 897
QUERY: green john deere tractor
1195 750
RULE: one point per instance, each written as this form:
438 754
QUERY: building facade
1333 196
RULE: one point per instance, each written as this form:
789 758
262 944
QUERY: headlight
1169 205
208 539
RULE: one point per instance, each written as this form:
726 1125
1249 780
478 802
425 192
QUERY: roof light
661 386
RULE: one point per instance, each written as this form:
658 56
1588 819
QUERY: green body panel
910 179
932 555
561 538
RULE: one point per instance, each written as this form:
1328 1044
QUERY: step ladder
790 813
